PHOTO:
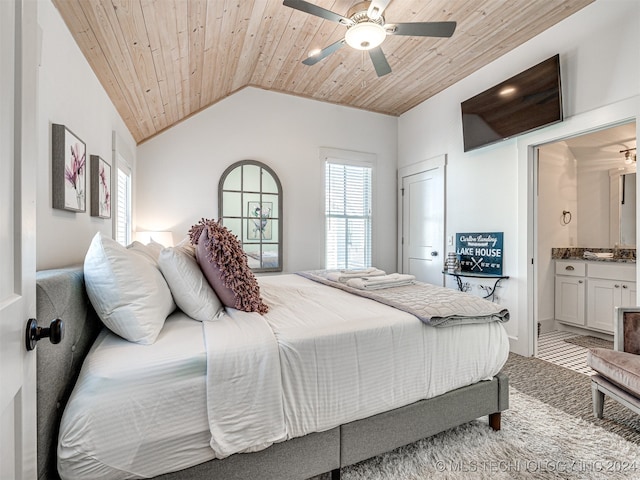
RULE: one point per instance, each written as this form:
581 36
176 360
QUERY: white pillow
190 288
186 247
129 294
154 248
145 251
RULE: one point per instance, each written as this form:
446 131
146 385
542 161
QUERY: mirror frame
615 197
244 217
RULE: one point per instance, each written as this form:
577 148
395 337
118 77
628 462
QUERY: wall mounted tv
528 101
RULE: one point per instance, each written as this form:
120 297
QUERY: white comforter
244 391
345 357
320 357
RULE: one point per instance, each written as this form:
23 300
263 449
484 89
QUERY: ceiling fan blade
379 61
422 29
317 11
313 59
376 8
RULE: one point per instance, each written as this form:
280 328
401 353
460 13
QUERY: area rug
588 341
549 431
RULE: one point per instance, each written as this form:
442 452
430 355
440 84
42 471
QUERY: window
123 207
347 215
250 205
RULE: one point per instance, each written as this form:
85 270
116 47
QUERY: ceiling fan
366 30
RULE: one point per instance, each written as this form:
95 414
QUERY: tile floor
552 348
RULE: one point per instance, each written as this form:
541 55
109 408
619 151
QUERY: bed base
61 294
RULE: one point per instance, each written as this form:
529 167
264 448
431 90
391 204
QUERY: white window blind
123 209
347 215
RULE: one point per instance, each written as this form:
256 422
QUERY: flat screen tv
528 101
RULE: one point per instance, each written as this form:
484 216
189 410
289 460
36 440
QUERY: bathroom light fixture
365 35
628 159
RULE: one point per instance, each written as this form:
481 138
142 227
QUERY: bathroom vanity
586 292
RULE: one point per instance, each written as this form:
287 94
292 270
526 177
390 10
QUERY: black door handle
33 333
434 253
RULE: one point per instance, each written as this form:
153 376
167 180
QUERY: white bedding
345 357
244 389
138 410
141 410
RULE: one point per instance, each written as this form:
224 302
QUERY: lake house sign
480 252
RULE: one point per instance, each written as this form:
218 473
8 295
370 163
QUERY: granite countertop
620 255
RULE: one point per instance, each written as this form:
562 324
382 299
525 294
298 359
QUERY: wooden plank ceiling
161 61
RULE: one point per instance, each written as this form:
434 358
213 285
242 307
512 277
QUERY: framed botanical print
100 187
69 170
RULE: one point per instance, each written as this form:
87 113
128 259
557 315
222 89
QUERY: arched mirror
250 205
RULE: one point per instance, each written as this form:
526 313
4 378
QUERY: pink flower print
74 172
106 203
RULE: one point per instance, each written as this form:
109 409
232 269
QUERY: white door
422 240
18 150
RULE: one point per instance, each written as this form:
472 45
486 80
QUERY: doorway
576 195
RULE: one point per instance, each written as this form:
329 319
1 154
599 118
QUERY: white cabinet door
569 300
602 297
628 294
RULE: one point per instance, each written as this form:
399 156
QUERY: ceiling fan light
365 35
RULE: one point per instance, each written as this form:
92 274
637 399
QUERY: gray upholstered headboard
60 294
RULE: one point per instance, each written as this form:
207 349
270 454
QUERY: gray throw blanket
433 305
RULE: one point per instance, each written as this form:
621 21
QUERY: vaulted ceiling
161 61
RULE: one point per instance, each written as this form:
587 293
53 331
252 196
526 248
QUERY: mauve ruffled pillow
224 264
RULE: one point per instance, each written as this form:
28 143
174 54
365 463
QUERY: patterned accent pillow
224 264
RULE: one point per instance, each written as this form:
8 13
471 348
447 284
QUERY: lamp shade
365 35
163 238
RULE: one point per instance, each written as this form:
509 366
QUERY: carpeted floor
570 392
549 431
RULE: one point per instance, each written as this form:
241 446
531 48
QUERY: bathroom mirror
623 207
628 210
250 205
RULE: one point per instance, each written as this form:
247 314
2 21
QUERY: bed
355 407
201 370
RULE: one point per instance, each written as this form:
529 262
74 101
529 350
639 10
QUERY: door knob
33 333
434 254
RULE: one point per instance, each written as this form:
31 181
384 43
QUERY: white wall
69 94
178 171
557 192
488 189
